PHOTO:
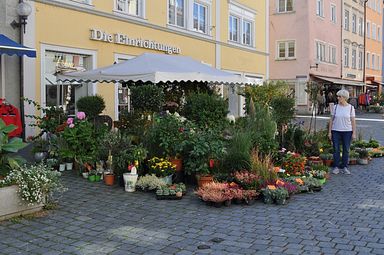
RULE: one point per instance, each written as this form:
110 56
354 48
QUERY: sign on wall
99 35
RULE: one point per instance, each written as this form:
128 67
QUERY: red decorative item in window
11 115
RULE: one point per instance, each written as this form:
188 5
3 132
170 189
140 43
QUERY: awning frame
10 47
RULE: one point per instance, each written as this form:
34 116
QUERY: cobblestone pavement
345 218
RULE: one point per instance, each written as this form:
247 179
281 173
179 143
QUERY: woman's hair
343 93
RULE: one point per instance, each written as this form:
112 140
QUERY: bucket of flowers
162 168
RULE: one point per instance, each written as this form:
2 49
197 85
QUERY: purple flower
69 121
80 115
71 125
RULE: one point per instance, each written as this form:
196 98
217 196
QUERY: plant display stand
11 205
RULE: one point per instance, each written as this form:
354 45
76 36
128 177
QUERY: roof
155 68
10 47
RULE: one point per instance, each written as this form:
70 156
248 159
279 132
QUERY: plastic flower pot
130 182
97 178
69 166
204 179
92 178
178 163
322 181
62 167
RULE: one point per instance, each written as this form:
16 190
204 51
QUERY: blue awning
10 47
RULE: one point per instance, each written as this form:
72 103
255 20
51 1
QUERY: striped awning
10 47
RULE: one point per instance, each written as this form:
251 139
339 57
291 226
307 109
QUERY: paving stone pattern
345 218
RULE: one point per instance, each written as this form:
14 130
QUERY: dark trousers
343 138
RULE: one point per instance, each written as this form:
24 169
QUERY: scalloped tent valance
10 47
155 68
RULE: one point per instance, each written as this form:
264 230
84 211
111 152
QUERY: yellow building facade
87 34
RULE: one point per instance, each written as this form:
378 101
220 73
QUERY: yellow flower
321 150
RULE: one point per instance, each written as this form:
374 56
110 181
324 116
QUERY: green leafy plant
53 118
8 146
206 110
326 156
280 193
283 111
238 152
262 166
91 105
147 98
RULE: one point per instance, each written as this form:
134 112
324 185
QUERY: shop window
60 94
176 12
131 7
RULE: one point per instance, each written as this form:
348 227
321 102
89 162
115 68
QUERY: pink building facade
305 44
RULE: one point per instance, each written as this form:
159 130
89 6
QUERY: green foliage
262 166
262 128
147 98
40 145
283 111
133 123
206 110
294 138
81 142
202 146
7 147
91 105
168 135
52 118
266 93
127 156
238 154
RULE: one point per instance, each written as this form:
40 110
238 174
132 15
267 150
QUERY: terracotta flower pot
109 179
328 162
178 163
204 179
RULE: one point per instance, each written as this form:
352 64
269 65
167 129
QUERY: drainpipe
21 87
365 39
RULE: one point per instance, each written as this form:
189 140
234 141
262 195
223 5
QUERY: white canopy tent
155 68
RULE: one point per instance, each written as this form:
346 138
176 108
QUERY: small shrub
91 105
147 98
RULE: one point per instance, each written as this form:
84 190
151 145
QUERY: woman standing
342 129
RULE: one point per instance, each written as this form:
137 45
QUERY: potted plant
327 158
294 164
149 182
280 195
353 156
268 194
172 192
215 193
40 149
162 168
363 157
313 184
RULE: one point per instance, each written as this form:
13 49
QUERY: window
285 6
374 31
286 50
378 63
332 54
200 13
373 62
320 51
241 26
346 20
247 32
333 13
368 30
360 60
320 8
354 58
360 26
234 28
346 56
176 12
354 23
64 94
131 7
368 60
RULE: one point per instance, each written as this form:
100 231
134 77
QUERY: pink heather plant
80 115
71 125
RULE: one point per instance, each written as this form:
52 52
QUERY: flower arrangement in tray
149 182
171 192
215 192
161 167
294 164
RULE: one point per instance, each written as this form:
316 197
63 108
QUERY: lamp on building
23 9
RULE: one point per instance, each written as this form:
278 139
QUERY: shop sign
99 35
